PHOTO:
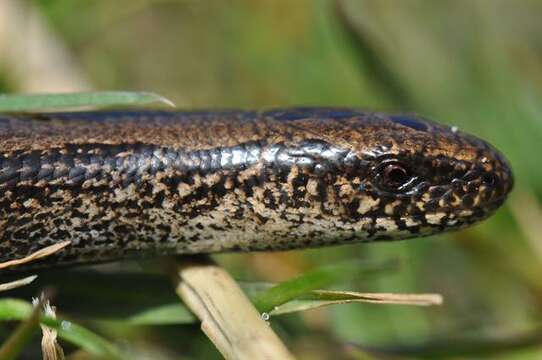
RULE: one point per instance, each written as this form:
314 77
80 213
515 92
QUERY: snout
489 183
497 179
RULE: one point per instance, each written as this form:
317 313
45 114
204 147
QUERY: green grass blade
34 102
312 280
13 309
21 336
84 338
168 314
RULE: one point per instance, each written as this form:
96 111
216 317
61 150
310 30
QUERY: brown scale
122 184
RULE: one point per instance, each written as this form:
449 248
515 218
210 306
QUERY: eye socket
394 176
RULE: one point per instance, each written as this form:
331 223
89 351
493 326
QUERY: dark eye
393 176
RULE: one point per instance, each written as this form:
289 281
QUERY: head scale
398 176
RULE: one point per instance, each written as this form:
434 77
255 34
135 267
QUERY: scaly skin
122 184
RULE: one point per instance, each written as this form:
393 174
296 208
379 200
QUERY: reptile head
431 177
400 176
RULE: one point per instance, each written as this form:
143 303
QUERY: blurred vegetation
474 64
5 84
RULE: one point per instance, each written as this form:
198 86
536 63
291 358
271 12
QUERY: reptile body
122 184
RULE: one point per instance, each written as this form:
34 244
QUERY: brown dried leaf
320 298
50 347
49 250
17 283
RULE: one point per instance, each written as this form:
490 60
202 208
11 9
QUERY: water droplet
65 325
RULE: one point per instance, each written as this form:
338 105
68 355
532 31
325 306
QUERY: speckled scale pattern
123 184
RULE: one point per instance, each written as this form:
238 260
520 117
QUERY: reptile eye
393 176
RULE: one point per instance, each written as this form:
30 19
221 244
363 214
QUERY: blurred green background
473 64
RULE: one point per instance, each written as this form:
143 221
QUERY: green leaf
83 338
21 336
33 102
312 280
13 309
168 314
177 313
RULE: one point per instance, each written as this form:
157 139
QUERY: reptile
136 183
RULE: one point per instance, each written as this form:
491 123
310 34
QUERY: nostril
489 179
